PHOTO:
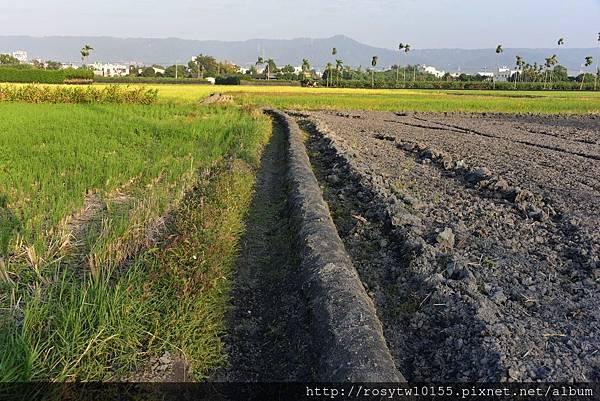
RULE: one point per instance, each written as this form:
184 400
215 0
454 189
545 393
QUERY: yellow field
393 99
294 97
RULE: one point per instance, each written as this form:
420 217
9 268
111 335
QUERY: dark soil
269 338
476 236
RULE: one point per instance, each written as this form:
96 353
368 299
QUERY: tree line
336 73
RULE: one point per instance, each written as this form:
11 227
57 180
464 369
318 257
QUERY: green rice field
86 190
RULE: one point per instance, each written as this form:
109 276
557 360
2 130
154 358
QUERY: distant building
502 74
486 74
432 70
110 70
20 55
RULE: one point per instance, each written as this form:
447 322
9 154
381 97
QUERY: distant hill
283 51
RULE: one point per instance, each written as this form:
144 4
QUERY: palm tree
520 63
260 62
269 62
339 64
550 62
561 42
400 47
374 64
200 64
597 69
406 50
526 69
589 60
329 78
499 51
305 67
547 66
85 52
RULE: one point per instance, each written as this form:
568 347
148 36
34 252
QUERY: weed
489 263
77 94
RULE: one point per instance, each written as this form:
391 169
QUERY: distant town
336 73
110 70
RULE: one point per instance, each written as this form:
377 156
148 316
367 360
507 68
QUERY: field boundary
351 342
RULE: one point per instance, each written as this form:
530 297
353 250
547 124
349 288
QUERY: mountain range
283 51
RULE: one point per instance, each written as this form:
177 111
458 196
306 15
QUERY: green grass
53 155
83 293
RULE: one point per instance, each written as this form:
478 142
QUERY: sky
383 23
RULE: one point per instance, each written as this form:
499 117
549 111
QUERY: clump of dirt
479 253
167 368
217 98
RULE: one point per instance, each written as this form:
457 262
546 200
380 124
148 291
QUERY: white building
502 74
110 70
432 70
20 55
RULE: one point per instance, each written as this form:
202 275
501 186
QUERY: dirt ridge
351 342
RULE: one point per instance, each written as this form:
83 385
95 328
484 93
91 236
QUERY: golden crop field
394 99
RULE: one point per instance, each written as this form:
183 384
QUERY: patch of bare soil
167 368
217 98
476 236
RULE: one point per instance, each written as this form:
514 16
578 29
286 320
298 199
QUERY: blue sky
423 23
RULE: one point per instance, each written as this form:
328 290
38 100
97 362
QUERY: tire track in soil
268 335
547 165
539 132
464 130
